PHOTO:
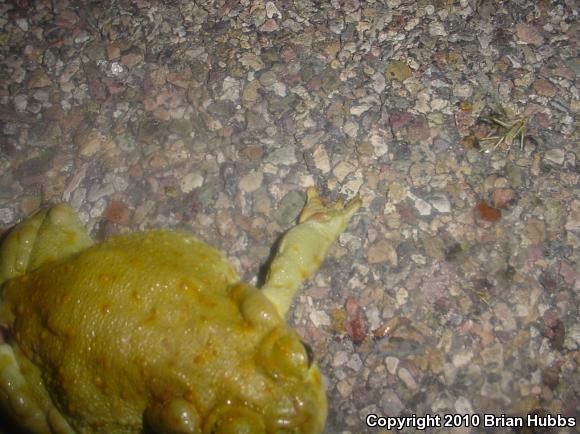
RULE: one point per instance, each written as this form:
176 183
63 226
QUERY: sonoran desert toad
152 332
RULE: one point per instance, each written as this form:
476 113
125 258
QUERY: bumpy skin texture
151 331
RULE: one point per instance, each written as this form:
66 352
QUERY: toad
153 332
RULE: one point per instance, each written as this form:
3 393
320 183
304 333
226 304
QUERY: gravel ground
455 290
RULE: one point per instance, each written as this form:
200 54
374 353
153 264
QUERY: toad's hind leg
49 234
304 247
24 399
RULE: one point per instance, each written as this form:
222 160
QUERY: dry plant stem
515 128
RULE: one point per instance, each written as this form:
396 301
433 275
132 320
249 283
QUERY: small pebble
502 197
485 213
117 212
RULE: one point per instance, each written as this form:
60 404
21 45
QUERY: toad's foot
304 247
23 398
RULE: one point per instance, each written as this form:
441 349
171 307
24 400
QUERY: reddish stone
542 119
485 213
357 330
117 212
399 120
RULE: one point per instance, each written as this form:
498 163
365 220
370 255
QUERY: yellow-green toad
153 332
